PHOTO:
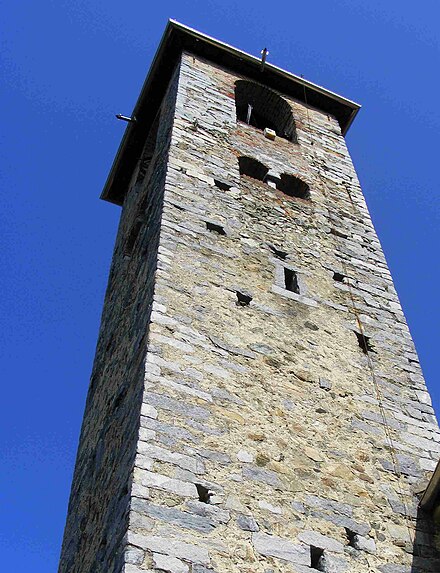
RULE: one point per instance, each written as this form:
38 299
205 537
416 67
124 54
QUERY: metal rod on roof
126 118
264 54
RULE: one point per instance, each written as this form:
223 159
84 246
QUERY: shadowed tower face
256 402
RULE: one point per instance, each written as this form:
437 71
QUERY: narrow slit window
351 536
222 185
339 277
132 237
316 558
291 280
214 228
364 342
243 298
149 149
203 493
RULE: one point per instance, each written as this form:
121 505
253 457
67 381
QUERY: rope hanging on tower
379 397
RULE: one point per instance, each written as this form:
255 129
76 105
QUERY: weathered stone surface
179 487
262 475
333 564
247 523
134 555
183 461
365 544
173 516
273 546
214 513
272 406
169 564
170 546
322 541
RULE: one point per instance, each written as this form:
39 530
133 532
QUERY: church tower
256 403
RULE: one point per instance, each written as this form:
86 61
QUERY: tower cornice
178 38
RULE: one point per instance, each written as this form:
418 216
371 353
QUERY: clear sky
66 68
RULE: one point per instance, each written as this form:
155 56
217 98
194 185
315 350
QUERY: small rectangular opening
351 536
339 277
364 342
132 237
243 298
215 228
291 280
316 554
204 493
222 185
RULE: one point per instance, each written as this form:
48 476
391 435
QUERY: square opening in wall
351 537
243 298
364 342
339 277
291 280
203 493
214 228
316 558
222 185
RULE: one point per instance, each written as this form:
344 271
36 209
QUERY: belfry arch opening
261 107
252 168
293 186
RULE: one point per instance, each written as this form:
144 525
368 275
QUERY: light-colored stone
169 564
170 546
274 546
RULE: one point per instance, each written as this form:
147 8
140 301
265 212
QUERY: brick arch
293 186
268 109
252 168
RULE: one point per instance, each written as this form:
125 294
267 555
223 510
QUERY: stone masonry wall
99 501
309 450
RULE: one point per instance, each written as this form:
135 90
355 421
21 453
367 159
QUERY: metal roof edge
257 61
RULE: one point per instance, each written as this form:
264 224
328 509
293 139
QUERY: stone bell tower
256 403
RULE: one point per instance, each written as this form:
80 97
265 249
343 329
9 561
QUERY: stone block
273 546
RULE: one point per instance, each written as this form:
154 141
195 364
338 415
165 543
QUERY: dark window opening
204 493
132 237
278 253
316 555
261 107
243 299
149 148
124 492
119 398
222 185
256 119
364 342
339 277
291 280
351 536
215 228
109 345
93 381
252 168
293 186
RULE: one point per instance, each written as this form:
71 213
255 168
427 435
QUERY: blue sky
67 68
